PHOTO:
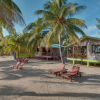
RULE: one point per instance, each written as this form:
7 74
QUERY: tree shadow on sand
16 91
17 74
90 78
11 74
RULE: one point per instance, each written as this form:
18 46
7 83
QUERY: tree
9 14
14 43
35 32
57 15
98 25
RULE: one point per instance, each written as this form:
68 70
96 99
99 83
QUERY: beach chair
74 73
16 65
58 71
26 60
20 59
20 66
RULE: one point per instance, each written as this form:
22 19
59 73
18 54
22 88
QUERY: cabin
48 53
51 52
88 50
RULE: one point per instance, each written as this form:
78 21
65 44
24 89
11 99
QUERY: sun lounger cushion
73 73
59 70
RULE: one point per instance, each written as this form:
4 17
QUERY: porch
79 52
74 60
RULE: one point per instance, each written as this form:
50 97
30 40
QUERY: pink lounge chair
16 65
26 60
58 71
74 73
22 59
19 65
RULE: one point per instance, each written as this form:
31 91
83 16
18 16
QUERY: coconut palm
35 32
29 46
57 14
98 25
14 43
9 14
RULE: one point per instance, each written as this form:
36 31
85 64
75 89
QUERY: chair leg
79 74
70 79
56 75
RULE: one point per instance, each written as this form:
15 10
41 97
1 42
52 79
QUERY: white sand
34 82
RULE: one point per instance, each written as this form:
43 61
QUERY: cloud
90 29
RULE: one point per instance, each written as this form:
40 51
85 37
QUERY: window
96 48
70 50
83 49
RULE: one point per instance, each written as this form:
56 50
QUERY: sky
89 14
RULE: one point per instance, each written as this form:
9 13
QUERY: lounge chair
74 73
58 71
25 60
17 66
20 66
22 59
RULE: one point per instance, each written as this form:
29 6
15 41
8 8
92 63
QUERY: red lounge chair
75 72
58 71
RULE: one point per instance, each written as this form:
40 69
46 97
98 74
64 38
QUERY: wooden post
73 62
73 51
88 64
67 52
78 51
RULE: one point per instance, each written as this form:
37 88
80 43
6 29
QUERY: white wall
90 54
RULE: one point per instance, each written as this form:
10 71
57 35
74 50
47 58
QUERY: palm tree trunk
14 55
18 54
60 50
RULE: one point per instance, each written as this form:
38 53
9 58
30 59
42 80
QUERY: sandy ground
34 82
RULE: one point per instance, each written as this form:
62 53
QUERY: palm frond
77 21
39 12
98 25
30 27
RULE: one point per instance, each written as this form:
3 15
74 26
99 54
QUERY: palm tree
14 43
35 32
98 25
28 45
9 14
57 15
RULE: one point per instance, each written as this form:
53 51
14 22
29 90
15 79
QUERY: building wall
90 54
55 51
89 43
89 51
44 52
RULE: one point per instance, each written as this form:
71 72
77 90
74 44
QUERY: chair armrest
63 71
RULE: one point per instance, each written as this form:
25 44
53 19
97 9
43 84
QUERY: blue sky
89 14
